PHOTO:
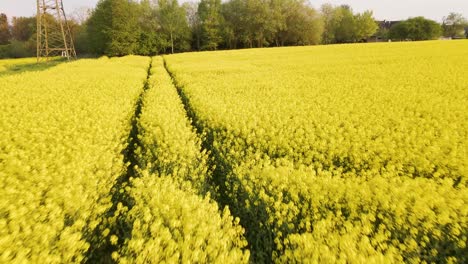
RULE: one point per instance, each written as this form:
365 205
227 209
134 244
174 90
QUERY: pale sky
383 9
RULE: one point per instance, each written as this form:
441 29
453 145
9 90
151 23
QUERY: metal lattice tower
54 37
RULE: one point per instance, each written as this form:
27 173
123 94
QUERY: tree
312 27
78 26
302 24
191 10
23 28
124 31
23 37
329 23
150 41
259 23
382 33
418 28
174 25
236 23
113 28
399 31
365 25
345 25
262 22
79 35
454 25
209 12
81 15
279 13
4 30
341 25
98 26
20 41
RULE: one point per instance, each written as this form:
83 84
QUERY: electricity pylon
54 37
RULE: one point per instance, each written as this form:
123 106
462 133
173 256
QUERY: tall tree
23 28
124 31
79 35
4 30
418 28
262 22
22 37
454 25
149 39
174 25
398 31
98 27
81 14
209 12
308 28
279 13
329 23
235 24
302 24
191 10
113 27
342 25
345 25
259 23
365 25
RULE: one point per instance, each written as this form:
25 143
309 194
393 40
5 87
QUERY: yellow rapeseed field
344 153
12 63
322 154
170 222
61 138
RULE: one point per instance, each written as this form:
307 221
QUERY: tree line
149 27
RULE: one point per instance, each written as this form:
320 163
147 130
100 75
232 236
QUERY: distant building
387 24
